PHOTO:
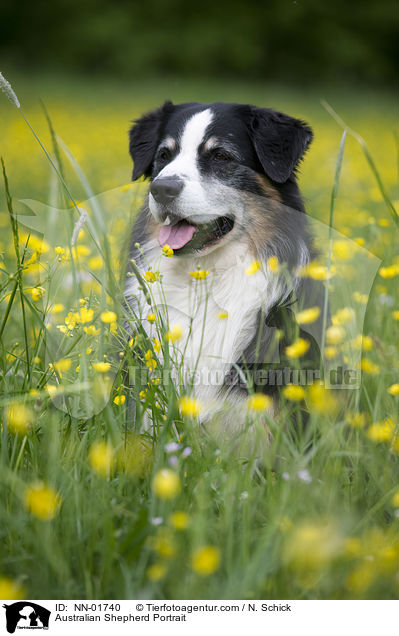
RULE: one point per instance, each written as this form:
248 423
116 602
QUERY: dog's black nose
165 189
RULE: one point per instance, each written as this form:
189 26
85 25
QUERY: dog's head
203 159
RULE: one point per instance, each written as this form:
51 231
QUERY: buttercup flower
167 251
335 334
11 590
19 419
307 316
101 367
101 458
293 392
273 264
259 402
298 348
253 268
200 274
157 571
174 333
189 406
205 560
42 501
166 484
179 520
151 276
108 317
393 389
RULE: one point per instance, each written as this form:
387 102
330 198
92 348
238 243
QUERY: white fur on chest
211 344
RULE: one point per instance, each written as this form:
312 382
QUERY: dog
224 197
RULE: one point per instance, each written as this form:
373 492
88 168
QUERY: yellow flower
80 251
259 402
317 272
167 251
298 348
151 318
322 400
60 251
163 544
253 268
395 314
63 329
394 501
311 546
330 352
174 334
88 351
36 243
368 366
335 334
58 308
363 342
108 316
342 316
101 458
101 367
37 293
342 250
360 298
63 365
151 276
166 484
95 263
156 344
293 392
52 390
189 406
119 399
179 520
91 330
19 419
205 560
85 315
222 315
393 389
72 319
357 420
142 395
42 501
381 431
360 241
200 274
10 590
308 315
157 571
389 272
273 264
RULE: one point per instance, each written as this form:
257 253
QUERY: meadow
93 506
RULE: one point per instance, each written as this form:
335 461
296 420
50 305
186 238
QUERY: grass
92 506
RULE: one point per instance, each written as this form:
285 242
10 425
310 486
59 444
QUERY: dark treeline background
297 40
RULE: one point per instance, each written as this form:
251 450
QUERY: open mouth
190 237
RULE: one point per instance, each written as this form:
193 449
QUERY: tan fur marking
267 187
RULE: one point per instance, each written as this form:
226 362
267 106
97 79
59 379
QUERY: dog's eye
164 154
220 155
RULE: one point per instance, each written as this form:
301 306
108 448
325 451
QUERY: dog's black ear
279 141
144 137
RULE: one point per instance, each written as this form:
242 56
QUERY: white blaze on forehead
185 164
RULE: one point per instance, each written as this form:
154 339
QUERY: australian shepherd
224 201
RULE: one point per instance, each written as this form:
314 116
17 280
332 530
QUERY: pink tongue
176 235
